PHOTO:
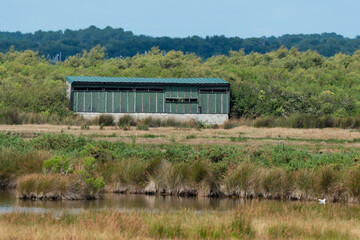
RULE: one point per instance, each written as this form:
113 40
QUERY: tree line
279 83
121 43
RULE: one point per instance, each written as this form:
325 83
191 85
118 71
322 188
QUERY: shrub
106 120
85 127
325 179
58 164
10 116
192 136
273 182
142 126
241 228
229 124
87 173
126 121
241 178
136 172
265 122
353 182
51 185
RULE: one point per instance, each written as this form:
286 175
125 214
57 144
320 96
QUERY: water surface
9 202
128 202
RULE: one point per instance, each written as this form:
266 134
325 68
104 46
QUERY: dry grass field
327 139
254 220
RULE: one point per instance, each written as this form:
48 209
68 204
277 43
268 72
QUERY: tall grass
308 121
14 116
52 186
268 171
106 120
253 220
14 164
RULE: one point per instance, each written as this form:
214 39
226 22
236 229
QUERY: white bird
322 201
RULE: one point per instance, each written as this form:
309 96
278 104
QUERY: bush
229 124
325 179
265 122
191 136
58 164
10 116
106 120
126 121
55 186
353 182
94 184
241 178
142 126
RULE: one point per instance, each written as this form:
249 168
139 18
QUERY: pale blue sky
182 18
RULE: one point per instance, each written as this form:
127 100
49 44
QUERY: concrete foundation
205 118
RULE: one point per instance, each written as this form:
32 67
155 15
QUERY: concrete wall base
205 118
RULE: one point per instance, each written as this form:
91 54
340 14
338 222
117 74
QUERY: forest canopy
279 83
120 43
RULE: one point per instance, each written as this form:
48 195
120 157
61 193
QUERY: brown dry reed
252 220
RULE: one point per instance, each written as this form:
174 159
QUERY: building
202 99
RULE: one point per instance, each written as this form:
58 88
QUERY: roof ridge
197 80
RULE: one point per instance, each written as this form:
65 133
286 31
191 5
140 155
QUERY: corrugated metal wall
174 99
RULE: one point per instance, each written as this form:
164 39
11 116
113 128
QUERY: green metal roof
185 81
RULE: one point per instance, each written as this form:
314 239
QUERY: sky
182 18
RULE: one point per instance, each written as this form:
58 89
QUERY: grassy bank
88 167
254 220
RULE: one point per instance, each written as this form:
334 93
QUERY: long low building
202 99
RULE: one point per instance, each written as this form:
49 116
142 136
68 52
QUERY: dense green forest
120 43
280 83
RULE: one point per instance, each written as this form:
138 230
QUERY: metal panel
187 92
160 102
211 103
102 102
218 97
74 103
224 100
181 91
168 91
175 91
182 81
139 102
187 108
194 108
204 102
167 107
80 98
87 102
95 102
153 102
146 102
109 101
124 102
194 91
180 108
131 102
116 100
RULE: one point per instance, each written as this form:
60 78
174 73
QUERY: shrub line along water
88 167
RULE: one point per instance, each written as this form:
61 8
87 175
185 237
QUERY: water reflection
9 202
129 202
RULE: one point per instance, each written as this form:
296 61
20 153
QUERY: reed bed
253 220
272 172
52 187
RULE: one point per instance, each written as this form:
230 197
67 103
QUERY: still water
9 202
140 202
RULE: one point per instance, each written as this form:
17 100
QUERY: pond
9 202
125 202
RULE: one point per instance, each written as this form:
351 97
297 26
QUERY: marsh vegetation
86 167
254 220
